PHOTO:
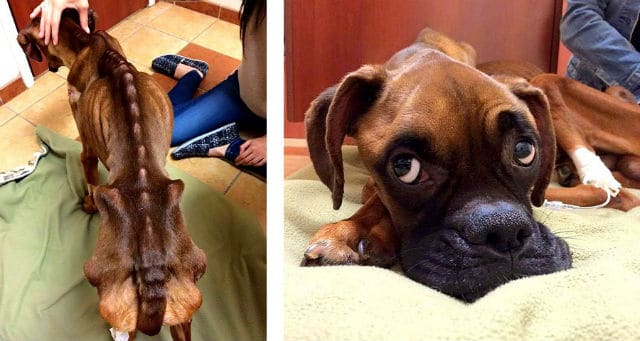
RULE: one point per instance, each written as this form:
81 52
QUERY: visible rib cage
150 266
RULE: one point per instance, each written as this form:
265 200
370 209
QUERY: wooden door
325 39
109 13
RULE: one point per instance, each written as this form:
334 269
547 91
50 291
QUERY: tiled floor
161 29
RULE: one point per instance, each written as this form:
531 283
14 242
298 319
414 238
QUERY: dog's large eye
406 168
524 152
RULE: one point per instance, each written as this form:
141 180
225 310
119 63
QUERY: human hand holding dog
50 12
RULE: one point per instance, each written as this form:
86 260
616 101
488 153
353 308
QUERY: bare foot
218 151
183 69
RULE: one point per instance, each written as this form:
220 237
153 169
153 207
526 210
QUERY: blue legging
215 108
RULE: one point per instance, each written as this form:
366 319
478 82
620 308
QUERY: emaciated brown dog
456 159
144 265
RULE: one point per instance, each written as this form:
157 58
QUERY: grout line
206 28
10 119
24 118
167 33
130 34
233 181
147 7
154 29
7 107
215 20
181 38
41 98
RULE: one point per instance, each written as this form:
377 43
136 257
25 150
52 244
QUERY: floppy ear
29 46
332 116
539 107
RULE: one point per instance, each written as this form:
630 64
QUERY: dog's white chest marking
593 171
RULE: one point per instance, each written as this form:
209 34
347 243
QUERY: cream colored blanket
598 299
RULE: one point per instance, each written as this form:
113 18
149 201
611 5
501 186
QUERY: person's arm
586 33
50 12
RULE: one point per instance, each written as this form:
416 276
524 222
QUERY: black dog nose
501 226
54 68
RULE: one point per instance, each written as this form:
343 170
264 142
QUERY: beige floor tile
5 115
213 172
146 44
53 112
181 22
251 193
144 16
18 143
142 68
124 29
43 86
63 72
222 37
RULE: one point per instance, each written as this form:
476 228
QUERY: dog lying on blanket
598 136
456 159
144 265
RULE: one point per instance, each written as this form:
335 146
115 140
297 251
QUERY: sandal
199 146
168 63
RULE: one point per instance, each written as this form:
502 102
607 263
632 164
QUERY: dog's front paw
88 205
328 252
342 244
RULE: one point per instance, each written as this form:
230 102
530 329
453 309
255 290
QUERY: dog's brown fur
514 68
144 265
607 123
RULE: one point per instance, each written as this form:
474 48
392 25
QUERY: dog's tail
151 277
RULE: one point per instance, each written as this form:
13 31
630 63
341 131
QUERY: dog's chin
445 261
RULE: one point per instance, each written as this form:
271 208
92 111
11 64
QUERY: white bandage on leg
118 335
593 171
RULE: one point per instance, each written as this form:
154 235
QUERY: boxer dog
144 265
456 159
597 134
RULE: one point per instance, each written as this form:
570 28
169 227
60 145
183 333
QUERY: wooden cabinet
109 13
325 39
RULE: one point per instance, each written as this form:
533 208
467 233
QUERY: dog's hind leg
91 175
367 238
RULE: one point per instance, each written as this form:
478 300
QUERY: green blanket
45 237
598 299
